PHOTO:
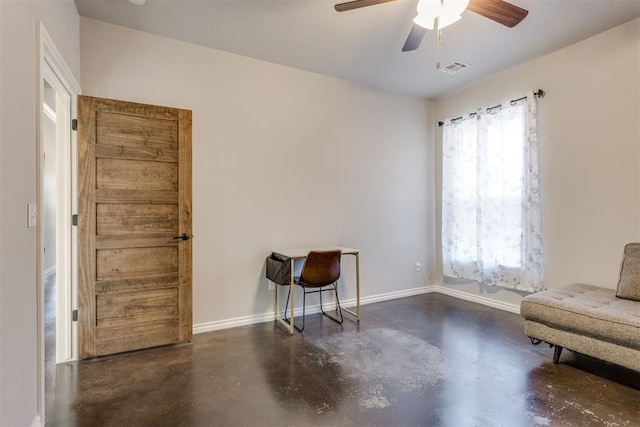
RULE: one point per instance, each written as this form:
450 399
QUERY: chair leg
304 306
303 311
287 306
335 289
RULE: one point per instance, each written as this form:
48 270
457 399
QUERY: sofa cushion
629 283
588 310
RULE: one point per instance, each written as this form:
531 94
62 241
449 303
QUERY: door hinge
74 219
74 315
74 124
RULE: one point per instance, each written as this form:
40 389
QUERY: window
491 213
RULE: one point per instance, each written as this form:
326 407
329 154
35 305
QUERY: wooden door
134 190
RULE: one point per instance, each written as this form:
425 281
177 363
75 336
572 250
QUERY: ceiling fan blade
415 38
356 4
499 10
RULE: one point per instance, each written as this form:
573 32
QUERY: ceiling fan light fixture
451 11
446 20
424 22
448 11
428 11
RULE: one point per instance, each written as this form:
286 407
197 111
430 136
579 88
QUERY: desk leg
281 321
356 313
275 303
358 286
291 330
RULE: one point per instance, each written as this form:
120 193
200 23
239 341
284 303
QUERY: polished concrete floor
428 360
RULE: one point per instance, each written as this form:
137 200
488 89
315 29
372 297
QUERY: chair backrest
321 268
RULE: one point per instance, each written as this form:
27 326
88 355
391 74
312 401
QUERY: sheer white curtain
491 211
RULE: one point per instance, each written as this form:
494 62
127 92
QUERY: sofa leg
556 354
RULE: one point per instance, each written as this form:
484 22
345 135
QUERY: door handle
183 236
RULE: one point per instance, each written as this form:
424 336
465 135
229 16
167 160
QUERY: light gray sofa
598 322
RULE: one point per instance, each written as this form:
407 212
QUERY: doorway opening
56 201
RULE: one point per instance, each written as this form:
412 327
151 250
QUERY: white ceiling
364 45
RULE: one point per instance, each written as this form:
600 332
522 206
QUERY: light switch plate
32 215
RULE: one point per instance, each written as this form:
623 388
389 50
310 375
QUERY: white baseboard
311 309
200 328
500 305
389 296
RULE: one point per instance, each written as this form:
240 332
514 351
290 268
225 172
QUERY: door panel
134 167
129 218
116 339
122 309
131 263
118 174
136 196
127 131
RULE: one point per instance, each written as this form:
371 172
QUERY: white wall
18 325
590 156
282 158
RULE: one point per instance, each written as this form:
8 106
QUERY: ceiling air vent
454 67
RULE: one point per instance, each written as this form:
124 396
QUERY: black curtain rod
539 93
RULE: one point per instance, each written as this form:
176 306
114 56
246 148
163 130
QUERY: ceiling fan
440 13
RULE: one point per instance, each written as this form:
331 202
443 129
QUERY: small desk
301 253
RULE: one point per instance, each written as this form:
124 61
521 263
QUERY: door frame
51 65
63 227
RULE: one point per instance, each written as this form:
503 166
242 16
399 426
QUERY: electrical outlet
271 285
418 266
